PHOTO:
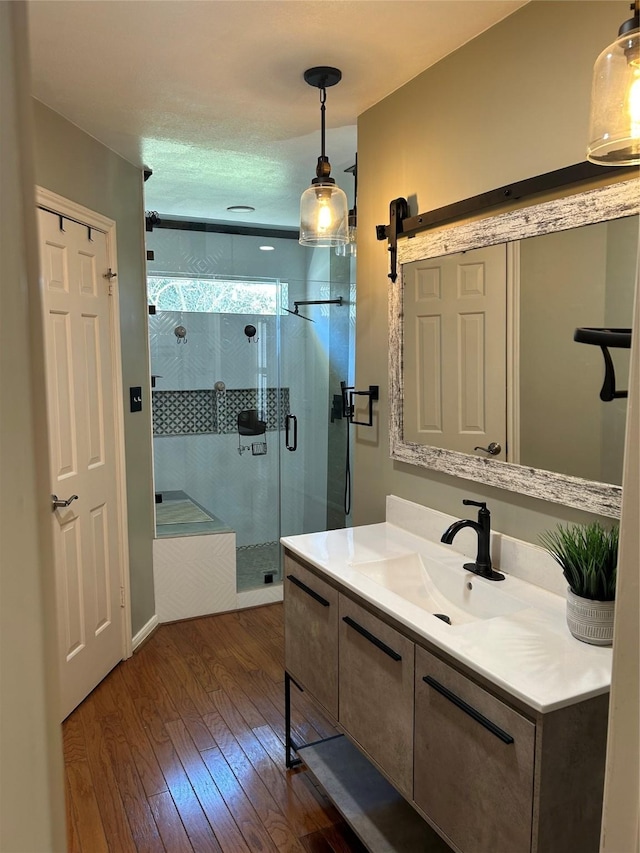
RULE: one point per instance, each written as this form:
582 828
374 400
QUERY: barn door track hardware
403 225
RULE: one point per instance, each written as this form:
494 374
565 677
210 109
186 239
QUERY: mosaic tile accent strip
183 412
207 411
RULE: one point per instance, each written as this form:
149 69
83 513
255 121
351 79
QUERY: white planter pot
590 621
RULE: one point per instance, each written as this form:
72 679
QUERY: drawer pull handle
308 590
505 737
372 639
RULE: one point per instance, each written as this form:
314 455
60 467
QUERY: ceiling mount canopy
614 129
323 206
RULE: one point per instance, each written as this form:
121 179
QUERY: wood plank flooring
181 749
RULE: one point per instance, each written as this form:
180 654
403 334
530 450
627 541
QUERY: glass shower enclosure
248 433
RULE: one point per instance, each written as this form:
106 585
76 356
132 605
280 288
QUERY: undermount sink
440 589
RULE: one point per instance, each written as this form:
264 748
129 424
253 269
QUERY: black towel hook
605 338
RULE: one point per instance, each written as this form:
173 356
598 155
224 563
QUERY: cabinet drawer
474 759
311 633
376 691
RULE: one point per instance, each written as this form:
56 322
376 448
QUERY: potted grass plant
588 556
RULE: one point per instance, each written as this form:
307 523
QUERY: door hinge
121 596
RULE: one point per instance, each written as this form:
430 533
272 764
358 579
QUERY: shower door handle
288 420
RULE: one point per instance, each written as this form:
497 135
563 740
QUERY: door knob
493 449
58 503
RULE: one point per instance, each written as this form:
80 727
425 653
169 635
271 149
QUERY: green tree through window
214 296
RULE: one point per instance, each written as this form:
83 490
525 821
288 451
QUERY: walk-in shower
245 448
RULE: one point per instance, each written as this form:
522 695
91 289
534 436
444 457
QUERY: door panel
455 350
93 407
68 554
311 633
62 423
376 661
471 386
82 425
474 761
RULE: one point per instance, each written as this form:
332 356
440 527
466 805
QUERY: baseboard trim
144 633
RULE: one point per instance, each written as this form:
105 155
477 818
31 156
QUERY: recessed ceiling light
241 208
267 248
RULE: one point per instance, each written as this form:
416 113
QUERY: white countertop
529 653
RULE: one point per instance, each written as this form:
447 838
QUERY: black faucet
482 527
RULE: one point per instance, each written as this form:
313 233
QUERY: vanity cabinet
474 761
482 768
376 666
311 633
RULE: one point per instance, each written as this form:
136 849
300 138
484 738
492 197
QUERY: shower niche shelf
210 412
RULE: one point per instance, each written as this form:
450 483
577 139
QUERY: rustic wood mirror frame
583 208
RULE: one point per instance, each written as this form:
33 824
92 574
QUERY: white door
82 411
455 350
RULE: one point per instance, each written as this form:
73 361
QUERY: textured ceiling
209 94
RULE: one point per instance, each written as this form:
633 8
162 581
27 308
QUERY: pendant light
349 249
323 206
614 130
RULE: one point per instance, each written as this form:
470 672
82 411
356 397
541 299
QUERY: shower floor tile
253 562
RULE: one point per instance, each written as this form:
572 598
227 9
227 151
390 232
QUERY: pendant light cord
323 101
323 169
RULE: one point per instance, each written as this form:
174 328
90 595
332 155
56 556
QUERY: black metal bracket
398 212
151 219
605 338
402 225
348 402
289 743
337 408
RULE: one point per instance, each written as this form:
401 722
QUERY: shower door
314 358
244 441
218 414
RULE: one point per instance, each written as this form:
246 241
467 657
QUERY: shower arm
299 302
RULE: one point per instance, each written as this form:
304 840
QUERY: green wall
32 813
511 104
74 165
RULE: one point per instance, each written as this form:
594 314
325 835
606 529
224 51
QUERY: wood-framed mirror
560 264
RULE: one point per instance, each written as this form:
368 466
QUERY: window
215 295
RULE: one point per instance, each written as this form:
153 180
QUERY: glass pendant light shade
614 131
348 249
323 215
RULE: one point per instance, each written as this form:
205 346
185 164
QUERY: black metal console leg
289 744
